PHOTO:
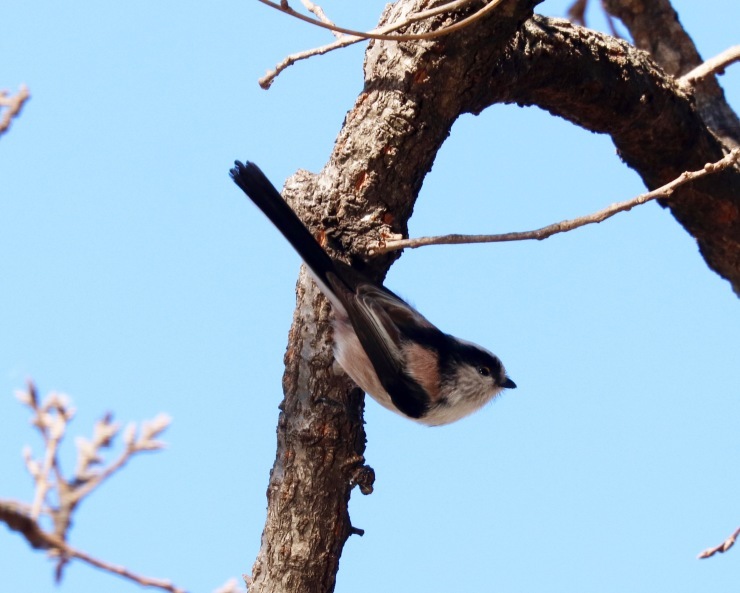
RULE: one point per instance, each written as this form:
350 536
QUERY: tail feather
266 197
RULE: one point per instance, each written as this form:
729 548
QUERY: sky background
138 279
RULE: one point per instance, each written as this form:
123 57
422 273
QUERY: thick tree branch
606 86
655 28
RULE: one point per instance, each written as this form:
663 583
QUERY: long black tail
257 186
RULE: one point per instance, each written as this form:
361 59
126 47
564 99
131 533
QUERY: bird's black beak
508 384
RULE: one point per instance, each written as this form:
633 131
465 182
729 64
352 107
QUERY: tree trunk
414 92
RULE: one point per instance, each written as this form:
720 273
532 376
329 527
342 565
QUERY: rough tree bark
414 92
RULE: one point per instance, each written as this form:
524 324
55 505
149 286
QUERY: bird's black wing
370 310
367 304
262 192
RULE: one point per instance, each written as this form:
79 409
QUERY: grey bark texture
413 93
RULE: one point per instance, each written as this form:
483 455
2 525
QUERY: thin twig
121 571
230 586
13 515
380 33
350 36
715 65
51 418
266 81
565 225
321 15
722 548
14 104
145 442
44 485
80 492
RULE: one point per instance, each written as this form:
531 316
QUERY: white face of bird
469 389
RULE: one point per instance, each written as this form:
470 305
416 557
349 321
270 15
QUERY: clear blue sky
139 280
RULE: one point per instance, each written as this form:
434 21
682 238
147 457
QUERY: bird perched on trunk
386 346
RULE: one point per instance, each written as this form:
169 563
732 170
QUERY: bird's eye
484 371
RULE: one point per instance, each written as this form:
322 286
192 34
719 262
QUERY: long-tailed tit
387 347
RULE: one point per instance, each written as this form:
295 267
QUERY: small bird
385 345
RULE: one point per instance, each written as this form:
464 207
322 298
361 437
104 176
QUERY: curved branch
655 28
383 33
605 85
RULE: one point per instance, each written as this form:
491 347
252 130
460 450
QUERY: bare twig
565 225
383 32
13 105
230 586
350 36
722 548
51 418
321 15
266 81
43 485
715 65
121 571
145 442
16 516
